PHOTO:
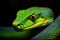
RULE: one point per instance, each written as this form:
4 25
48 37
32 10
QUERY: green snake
28 19
33 17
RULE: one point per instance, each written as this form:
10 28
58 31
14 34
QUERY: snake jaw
40 23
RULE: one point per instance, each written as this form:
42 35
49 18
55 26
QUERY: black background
9 8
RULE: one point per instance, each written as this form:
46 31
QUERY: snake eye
32 17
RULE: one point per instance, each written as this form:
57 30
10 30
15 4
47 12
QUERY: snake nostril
19 24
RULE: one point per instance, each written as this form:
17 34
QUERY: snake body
51 32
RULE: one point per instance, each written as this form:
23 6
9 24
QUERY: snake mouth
17 27
35 25
39 24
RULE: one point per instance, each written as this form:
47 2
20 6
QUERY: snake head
33 17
